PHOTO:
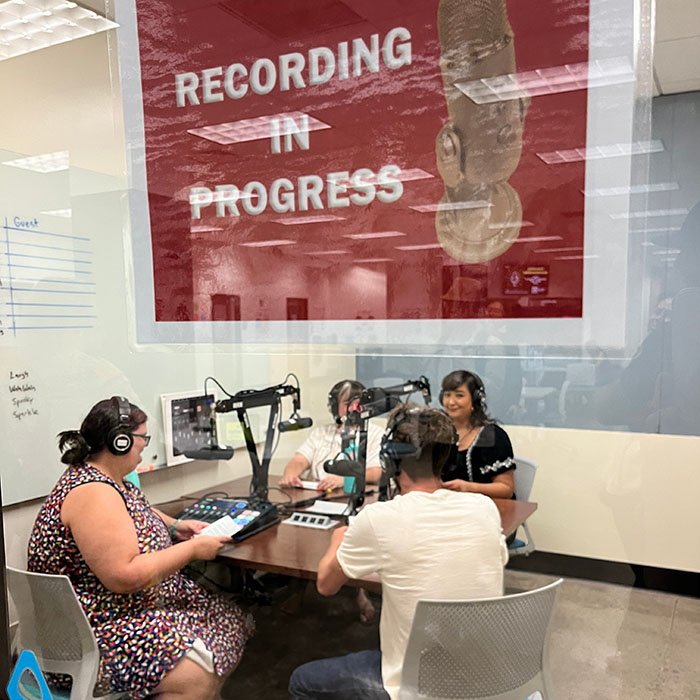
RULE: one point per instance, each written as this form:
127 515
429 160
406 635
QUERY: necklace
464 437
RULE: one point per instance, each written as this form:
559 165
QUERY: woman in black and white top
482 461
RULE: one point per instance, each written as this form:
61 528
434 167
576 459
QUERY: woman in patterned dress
482 461
158 632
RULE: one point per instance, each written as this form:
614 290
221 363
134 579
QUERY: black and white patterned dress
489 455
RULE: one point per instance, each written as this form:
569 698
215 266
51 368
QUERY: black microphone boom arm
375 401
253 398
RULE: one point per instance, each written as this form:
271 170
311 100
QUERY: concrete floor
618 643
608 642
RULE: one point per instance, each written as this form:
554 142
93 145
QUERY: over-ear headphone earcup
120 439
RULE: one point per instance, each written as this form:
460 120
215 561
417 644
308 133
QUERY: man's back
440 545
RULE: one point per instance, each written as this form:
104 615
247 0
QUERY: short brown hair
430 431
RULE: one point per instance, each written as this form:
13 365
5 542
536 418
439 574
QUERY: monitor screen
192 425
187 424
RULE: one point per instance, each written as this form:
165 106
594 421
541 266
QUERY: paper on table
223 526
310 485
327 508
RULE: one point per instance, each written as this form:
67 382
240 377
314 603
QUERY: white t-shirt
325 441
424 546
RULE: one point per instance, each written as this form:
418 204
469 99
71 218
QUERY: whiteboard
66 323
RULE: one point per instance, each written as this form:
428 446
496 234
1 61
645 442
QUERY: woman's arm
500 487
184 529
105 535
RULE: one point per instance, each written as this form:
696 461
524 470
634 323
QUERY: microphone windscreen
210 452
295 424
343 467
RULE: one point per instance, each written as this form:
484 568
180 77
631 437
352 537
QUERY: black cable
276 488
211 494
175 500
279 434
217 384
291 374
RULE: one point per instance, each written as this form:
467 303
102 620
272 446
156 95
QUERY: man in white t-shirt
427 543
324 443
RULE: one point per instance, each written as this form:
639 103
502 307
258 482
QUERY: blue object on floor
28 683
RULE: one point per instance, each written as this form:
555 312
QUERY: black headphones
392 452
343 387
479 395
121 439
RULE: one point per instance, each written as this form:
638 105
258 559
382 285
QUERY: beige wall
626 497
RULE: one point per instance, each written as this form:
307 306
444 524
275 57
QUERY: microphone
295 423
427 397
210 452
379 400
343 467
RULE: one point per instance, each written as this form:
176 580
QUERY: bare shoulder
97 496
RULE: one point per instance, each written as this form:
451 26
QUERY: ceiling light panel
452 206
374 234
28 25
313 219
257 128
573 155
64 213
537 239
632 189
547 81
44 163
406 175
268 244
649 213
425 246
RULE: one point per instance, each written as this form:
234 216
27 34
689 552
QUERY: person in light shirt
324 443
427 543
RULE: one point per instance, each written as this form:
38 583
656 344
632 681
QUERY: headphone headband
344 386
479 393
392 451
120 439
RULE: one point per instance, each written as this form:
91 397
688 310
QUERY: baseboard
651 577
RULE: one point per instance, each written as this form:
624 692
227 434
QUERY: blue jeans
353 677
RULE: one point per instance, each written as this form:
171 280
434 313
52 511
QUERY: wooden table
296 551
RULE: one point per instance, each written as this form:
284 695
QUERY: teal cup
348 484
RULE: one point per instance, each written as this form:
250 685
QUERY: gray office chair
524 476
53 625
487 649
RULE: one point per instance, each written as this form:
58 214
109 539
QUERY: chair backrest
53 625
523 477
478 649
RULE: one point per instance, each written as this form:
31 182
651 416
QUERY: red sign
374 160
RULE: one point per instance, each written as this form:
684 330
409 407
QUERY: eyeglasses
144 437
